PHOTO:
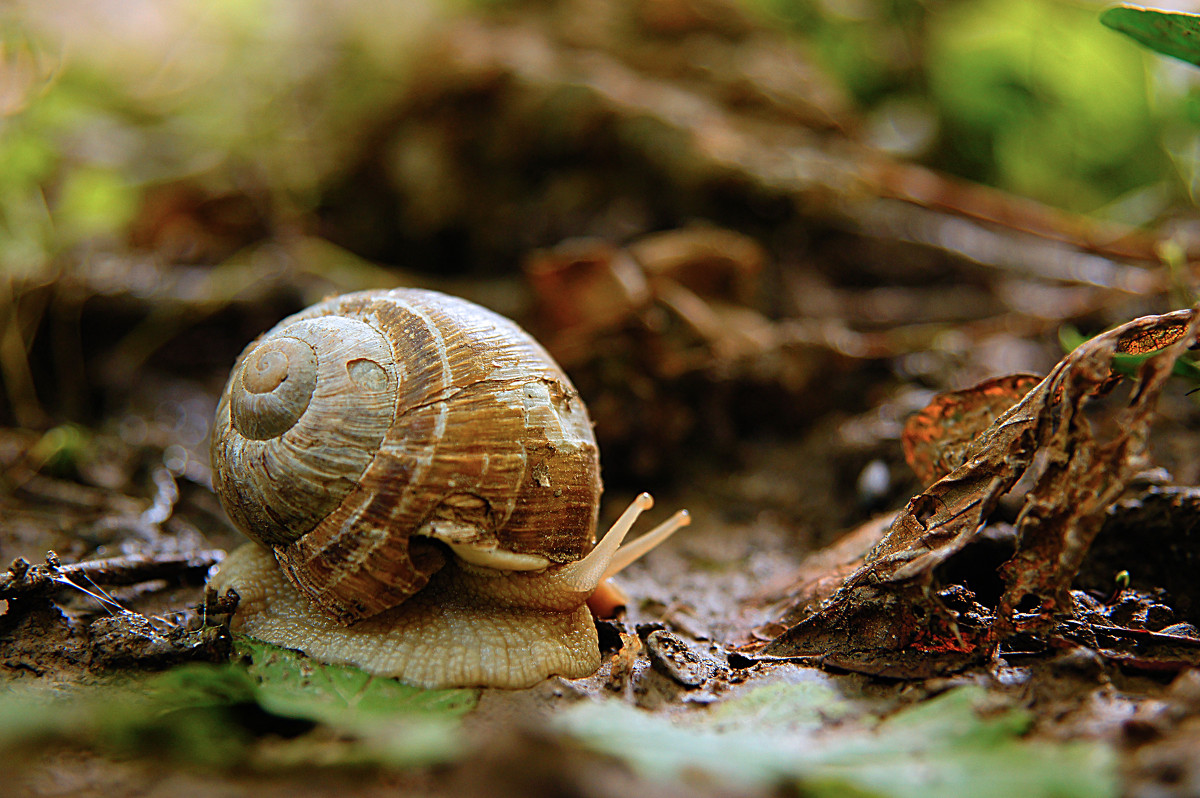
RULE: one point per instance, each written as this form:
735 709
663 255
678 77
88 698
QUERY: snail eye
367 375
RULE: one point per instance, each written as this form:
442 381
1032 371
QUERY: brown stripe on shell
356 562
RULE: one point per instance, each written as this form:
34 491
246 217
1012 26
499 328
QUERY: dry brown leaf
891 616
937 438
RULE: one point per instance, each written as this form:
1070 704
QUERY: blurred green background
1032 96
102 101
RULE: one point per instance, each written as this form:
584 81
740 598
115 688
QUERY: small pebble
670 655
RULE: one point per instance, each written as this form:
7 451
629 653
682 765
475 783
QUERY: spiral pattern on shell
356 433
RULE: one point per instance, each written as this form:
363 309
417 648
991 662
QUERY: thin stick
23 580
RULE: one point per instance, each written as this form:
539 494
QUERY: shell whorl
430 418
305 411
273 387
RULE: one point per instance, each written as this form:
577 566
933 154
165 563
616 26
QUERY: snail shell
358 435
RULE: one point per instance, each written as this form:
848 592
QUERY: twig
23 580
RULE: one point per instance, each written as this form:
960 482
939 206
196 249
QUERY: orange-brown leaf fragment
1139 341
936 438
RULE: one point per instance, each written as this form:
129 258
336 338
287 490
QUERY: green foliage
60 449
265 95
274 708
1038 99
236 714
1029 95
960 743
872 46
289 683
1168 32
95 201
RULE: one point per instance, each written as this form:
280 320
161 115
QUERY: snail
420 483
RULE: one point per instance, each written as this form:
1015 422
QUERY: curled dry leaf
936 439
892 617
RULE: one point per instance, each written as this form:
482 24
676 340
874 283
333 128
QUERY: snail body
421 483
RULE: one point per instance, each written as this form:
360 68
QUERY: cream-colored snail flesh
422 484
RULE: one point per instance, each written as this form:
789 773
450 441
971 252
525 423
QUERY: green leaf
391 723
1171 33
293 685
794 707
959 743
183 715
236 714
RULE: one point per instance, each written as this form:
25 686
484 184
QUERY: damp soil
722 587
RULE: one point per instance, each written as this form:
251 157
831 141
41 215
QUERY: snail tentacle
609 557
583 575
633 551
